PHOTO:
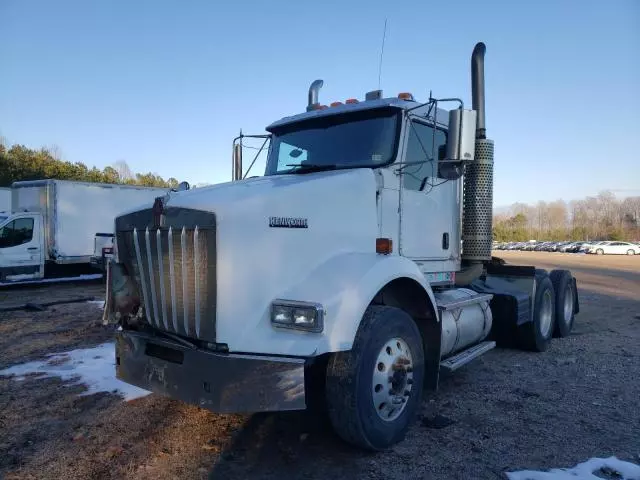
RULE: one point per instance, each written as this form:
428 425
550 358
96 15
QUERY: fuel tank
464 326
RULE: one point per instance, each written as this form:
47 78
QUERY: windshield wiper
312 167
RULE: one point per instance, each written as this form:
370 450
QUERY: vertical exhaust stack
477 219
314 93
237 161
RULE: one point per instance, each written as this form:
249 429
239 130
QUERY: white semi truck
54 222
355 271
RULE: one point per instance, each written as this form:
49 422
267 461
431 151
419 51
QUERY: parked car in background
588 245
573 247
615 248
540 247
566 247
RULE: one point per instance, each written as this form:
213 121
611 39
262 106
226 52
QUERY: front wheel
600 251
630 252
374 390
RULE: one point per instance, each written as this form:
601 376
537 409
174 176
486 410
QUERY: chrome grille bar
136 245
163 297
185 289
155 319
172 278
196 262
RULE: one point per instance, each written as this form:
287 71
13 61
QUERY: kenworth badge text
353 273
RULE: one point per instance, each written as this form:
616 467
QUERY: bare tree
557 215
593 218
124 172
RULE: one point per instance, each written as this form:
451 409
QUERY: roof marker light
405 96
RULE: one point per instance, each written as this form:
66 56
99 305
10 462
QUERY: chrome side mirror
461 141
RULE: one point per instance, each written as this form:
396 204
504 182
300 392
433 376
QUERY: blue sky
166 85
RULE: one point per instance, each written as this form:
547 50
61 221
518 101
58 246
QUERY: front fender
345 285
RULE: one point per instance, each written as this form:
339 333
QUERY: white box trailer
55 222
5 202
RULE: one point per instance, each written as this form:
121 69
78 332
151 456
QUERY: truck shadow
285 445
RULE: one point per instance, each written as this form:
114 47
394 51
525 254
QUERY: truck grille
175 271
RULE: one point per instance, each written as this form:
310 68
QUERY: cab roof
442 117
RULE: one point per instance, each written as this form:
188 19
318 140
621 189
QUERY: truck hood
271 234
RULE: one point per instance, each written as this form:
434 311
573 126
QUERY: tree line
19 163
603 217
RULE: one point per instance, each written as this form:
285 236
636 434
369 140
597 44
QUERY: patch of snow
93 367
584 471
15 278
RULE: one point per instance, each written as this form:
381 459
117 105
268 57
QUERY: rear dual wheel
554 309
536 335
565 302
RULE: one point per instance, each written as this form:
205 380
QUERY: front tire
536 335
374 390
600 252
630 252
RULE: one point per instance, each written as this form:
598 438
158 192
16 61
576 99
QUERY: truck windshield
366 138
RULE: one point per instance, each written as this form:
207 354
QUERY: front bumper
221 382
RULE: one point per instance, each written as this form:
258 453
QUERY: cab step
465 356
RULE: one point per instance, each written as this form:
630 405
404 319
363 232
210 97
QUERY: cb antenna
384 35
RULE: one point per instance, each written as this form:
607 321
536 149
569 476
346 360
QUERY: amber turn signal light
384 246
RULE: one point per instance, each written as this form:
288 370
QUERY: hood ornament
158 211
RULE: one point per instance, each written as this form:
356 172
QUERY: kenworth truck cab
355 271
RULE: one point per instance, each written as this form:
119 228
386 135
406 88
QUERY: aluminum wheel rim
546 313
392 379
568 304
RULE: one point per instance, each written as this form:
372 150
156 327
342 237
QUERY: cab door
429 204
21 248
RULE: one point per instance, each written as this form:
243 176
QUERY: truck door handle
32 248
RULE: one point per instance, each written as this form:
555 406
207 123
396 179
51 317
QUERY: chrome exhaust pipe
314 93
477 87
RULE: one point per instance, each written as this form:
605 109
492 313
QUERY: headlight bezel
291 306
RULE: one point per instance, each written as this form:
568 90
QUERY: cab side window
420 148
15 233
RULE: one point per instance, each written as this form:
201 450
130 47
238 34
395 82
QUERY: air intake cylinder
477 221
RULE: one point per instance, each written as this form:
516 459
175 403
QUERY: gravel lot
511 410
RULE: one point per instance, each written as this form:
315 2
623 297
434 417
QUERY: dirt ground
510 410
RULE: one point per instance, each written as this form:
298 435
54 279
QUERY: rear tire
374 390
565 299
536 335
630 252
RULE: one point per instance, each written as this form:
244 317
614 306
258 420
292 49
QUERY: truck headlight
297 315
